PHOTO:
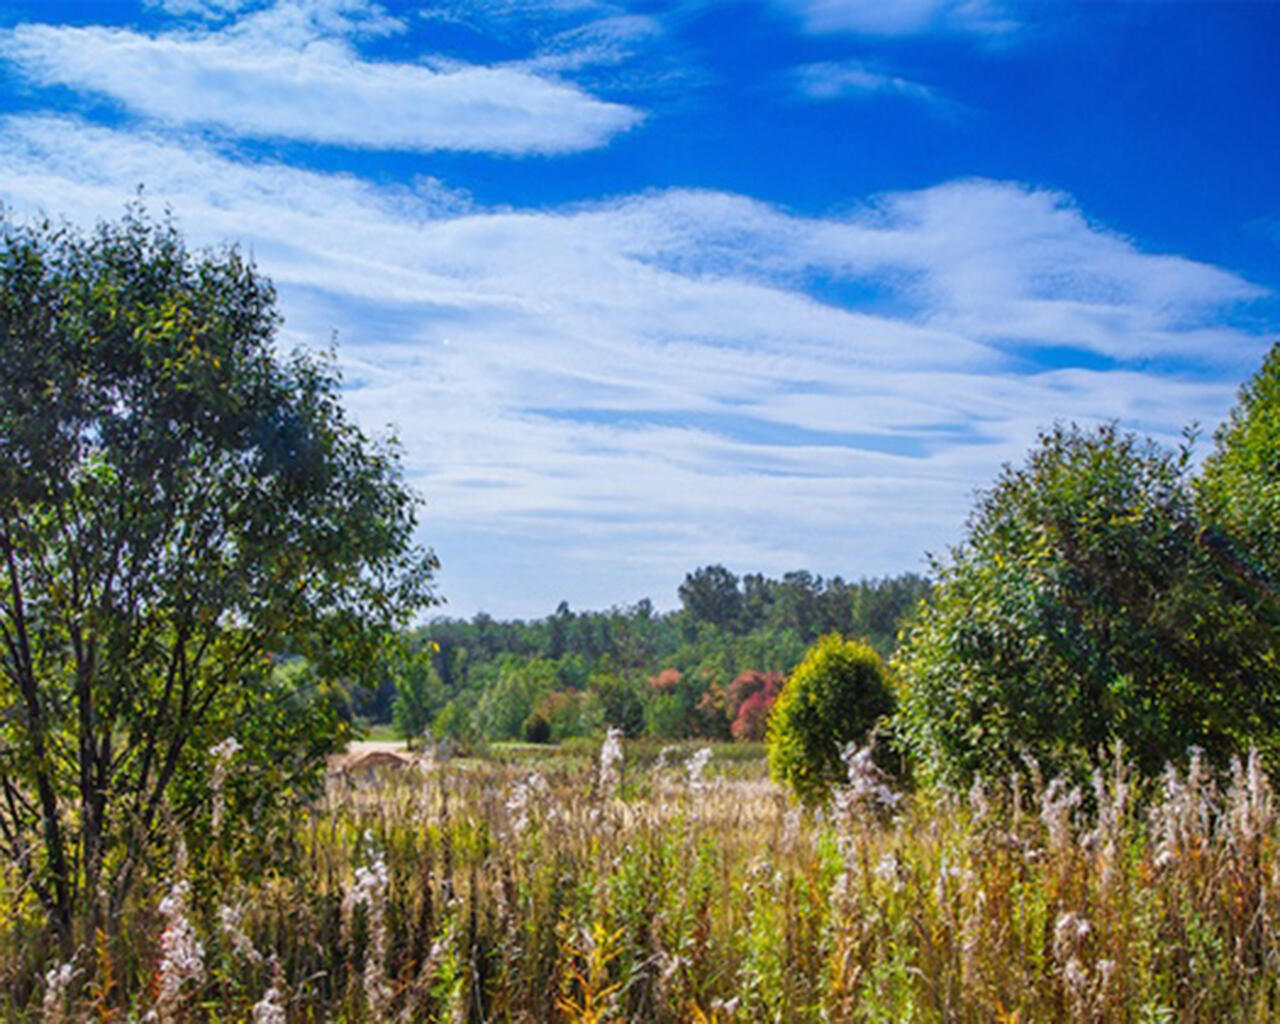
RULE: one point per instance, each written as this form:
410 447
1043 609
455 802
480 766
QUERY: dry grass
504 893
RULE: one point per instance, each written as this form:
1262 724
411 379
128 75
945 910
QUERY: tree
419 691
1239 490
711 595
834 697
1083 609
521 684
177 501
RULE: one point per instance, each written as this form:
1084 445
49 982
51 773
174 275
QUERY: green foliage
1239 489
570 713
506 705
834 697
176 501
1083 609
664 717
453 725
711 595
419 691
610 655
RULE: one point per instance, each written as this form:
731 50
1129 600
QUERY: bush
1083 609
834 697
1239 490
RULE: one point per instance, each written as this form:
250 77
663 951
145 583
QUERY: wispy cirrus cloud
629 388
212 9
833 80
291 71
904 17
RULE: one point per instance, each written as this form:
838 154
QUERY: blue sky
645 286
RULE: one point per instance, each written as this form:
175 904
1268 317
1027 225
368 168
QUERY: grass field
537 886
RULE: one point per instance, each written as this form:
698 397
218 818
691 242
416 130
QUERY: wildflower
369 890
1057 811
270 1008
978 801
521 797
1250 802
1180 822
181 954
610 763
696 767
222 755
867 789
57 982
791 825
1069 935
889 869
231 924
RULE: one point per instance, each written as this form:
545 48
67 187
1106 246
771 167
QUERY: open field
501 891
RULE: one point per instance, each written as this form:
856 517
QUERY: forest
694 672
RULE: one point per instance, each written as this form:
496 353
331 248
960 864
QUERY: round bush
834 697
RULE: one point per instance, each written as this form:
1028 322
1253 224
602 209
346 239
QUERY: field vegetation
662 887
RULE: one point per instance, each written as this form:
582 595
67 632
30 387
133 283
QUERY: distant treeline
710 668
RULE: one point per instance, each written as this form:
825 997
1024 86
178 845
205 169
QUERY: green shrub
1083 609
1239 490
834 697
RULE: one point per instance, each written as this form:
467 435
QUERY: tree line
711 668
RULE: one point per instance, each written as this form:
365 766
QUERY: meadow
680 884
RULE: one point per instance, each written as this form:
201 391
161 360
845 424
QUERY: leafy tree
1239 489
419 690
568 713
176 501
620 702
1082 609
879 608
504 707
711 595
834 697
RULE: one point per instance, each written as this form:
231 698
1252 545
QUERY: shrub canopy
1085 607
834 697
1239 489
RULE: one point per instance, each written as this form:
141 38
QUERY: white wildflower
1181 821
696 768
231 924
978 801
181 954
521 798
610 763
1058 805
867 789
270 1008
57 982
1070 933
369 889
222 755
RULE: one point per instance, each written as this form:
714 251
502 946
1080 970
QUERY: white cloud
290 71
211 9
903 17
596 399
833 80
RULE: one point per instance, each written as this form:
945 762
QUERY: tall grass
502 892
